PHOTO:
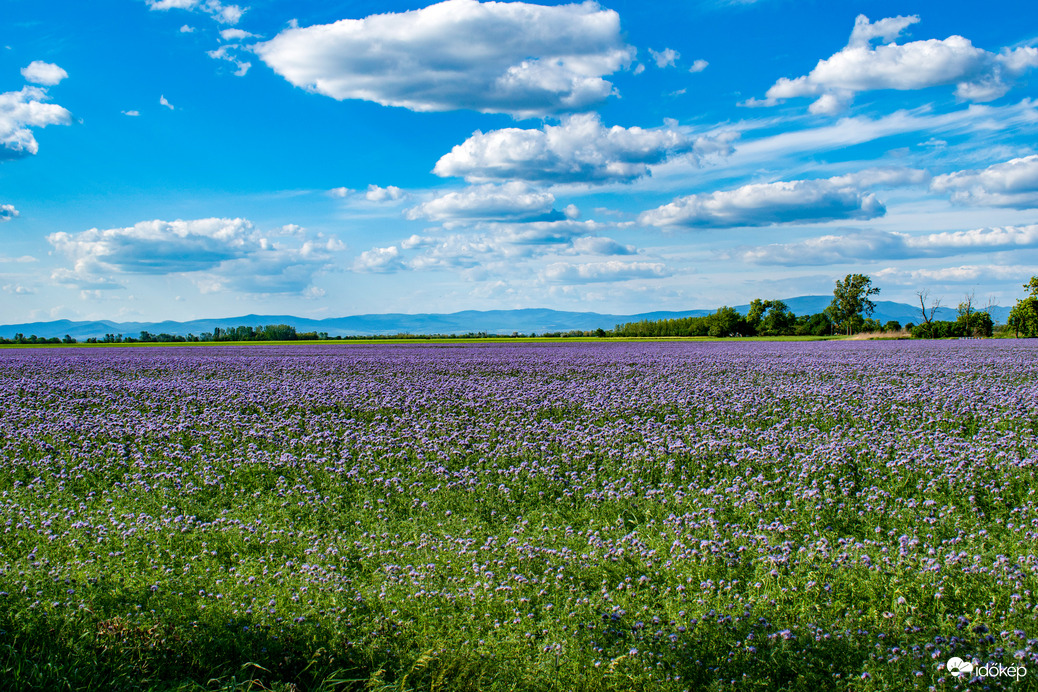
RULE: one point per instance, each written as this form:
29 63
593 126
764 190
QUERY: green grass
436 340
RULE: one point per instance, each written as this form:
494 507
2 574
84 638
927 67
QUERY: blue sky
177 159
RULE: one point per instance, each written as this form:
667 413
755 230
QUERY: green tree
727 322
967 314
769 318
818 324
1023 319
851 301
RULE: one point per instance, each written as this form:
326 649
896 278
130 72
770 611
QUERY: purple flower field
657 516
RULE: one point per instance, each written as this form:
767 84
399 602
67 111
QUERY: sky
182 159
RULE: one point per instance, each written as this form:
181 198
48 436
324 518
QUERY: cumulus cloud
791 201
8 212
45 73
495 57
164 102
698 66
224 14
1013 183
873 245
390 193
21 110
978 75
579 149
132 114
217 253
378 260
514 201
594 272
665 58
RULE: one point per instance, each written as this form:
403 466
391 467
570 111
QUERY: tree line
269 332
850 312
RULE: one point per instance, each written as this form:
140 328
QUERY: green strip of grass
432 340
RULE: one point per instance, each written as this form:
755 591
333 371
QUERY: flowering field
596 516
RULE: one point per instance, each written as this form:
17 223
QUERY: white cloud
8 212
235 34
891 176
579 149
970 273
224 14
765 204
24 259
21 110
84 281
1013 184
164 102
698 66
132 114
665 58
217 253
378 260
45 73
514 201
593 272
390 193
598 245
228 53
979 75
186 29
172 4
495 57
500 246
18 289
874 245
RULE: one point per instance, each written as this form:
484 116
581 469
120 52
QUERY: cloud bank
579 149
875 245
978 75
1011 184
216 253
508 202
495 57
792 201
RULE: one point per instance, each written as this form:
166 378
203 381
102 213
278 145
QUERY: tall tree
851 300
928 317
967 312
1024 316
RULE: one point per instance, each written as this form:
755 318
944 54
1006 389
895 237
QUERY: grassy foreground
608 516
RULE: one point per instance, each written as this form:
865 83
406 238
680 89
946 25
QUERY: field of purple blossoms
591 516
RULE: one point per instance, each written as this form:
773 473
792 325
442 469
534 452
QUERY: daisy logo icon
957 667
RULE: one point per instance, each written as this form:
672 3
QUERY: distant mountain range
532 320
